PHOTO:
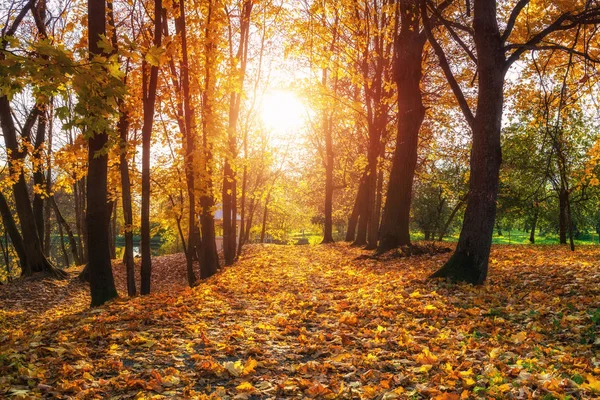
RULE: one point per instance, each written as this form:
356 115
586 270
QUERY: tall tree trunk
353 219
47 205
251 210
113 236
469 263
263 230
63 247
38 175
188 129
79 197
563 198
6 256
243 210
36 261
209 262
327 131
123 126
533 226
61 222
102 285
11 229
570 223
395 230
229 175
149 102
451 217
376 214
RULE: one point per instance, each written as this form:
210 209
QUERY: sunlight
282 111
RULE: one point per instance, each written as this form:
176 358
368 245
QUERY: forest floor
314 321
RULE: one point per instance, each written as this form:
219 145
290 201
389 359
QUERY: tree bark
469 263
62 222
395 230
11 229
149 103
36 261
451 217
563 198
229 175
38 177
376 215
328 225
533 226
209 262
354 216
123 127
47 205
188 130
264 220
102 285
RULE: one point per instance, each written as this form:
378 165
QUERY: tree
149 99
238 63
469 262
102 285
407 74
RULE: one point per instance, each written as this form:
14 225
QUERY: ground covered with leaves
315 321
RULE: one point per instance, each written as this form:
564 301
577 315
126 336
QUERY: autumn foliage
316 322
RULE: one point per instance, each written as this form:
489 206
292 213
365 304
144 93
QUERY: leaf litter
316 322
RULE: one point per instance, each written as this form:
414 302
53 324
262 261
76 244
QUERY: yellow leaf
426 357
469 381
245 387
592 383
519 337
249 367
234 368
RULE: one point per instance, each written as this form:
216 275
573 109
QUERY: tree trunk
469 263
563 198
374 230
149 102
6 257
394 230
61 222
36 261
47 205
451 217
123 127
11 229
250 219
38 176
353 220
328 226
189 134
79 197
533 226
209 262
243 210
264 220
570 223
63 247
102 285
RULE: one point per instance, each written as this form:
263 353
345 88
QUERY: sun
282 111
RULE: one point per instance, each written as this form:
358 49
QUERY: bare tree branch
460 97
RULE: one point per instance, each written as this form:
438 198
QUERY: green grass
508 237
521 237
